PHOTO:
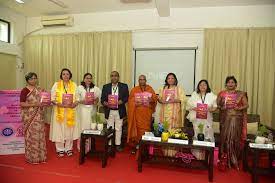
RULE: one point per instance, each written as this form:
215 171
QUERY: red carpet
122 169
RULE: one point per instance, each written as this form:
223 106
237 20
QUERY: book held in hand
67 99
45 98
202 110
230 100
113 101
89 98
143 98
138 98
169 94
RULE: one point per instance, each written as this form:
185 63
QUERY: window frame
9 30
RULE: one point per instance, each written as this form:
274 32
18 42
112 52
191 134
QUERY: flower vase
100 126
93 126
164 136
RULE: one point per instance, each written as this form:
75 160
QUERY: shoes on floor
119 148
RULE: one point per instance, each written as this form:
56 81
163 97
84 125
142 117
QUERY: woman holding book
64 127
233 106
32 117
88 95
172 102
200 105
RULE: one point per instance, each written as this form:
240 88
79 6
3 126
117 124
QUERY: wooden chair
253 122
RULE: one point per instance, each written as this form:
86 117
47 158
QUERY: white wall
18 30
234 16
184 27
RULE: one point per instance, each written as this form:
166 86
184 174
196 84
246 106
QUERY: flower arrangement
158 129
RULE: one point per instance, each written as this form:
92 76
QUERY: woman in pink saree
233 106
32 117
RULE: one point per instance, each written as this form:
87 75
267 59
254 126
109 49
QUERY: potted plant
157 132
262 134
165 133
94 122
98 122
200 135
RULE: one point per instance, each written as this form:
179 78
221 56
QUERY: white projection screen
155 64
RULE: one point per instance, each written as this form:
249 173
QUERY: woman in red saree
233 106
32 117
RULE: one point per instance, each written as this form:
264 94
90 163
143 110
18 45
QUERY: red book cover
89 98
138 98
201 112
67 99
145 98
113 101
45 98
169 94
230 100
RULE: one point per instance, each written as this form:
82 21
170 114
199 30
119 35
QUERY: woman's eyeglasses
32 78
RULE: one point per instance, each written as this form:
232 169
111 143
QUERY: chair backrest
253 121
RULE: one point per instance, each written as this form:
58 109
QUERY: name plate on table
261 146
149 138
178 141
203 143
92 132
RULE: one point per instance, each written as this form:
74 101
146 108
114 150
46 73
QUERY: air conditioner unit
60 20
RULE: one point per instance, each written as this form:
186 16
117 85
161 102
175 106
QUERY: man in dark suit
115 115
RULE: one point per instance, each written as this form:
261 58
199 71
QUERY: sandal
69 153
60 154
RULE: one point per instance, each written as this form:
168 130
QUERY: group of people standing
232 106
143 107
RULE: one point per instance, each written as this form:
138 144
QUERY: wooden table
255 170
106 136
207 163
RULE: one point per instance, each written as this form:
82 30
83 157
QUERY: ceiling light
20 1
